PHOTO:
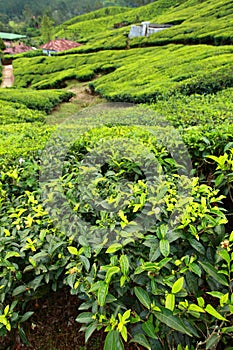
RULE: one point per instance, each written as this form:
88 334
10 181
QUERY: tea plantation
128 204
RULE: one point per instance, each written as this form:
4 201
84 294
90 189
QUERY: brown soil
53 327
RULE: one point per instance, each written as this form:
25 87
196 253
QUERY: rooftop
59 45
11 36
17 49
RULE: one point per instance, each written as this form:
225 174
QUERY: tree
2 45
46 28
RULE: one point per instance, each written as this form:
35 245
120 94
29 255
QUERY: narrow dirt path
82 99
7 76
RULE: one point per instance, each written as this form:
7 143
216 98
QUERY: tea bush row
11 112
42 100
187 29
185 111
195 69
217 30
22 139
87 27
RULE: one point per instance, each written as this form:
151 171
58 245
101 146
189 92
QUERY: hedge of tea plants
22 121
41 101
138 239
130 207
97 31
196 109
209 72
11 112
99 25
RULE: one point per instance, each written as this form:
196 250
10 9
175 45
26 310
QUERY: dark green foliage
61 10
153 259
107 204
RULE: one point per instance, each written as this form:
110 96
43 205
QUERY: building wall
135 31
143 30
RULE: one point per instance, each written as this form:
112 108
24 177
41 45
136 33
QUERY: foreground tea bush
140 243
22 140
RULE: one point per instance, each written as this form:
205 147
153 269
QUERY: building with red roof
58 45
17 48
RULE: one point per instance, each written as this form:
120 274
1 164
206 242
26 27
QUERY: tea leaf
84 317
174 323
149 329
141 339
178 285
90 330
170 302
164 246
102 294
114 248
124 264
111 271
209 308
113 341
214 273
143 296
18 290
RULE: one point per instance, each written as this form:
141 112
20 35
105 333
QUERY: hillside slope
208 22
142 74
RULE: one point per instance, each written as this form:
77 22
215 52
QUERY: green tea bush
11 112
194 23
222 178
22 139
145 246
97 31
195 69
43 100
186 111
28 54
58 80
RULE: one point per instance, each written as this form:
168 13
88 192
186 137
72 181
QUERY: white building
146 29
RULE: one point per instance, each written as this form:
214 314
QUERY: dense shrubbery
43 100
197 109
107 204
187 17
133 226
11 112
21 139
210 71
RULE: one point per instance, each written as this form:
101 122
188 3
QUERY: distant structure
9 37
17 48
58 45
13 43
146 29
